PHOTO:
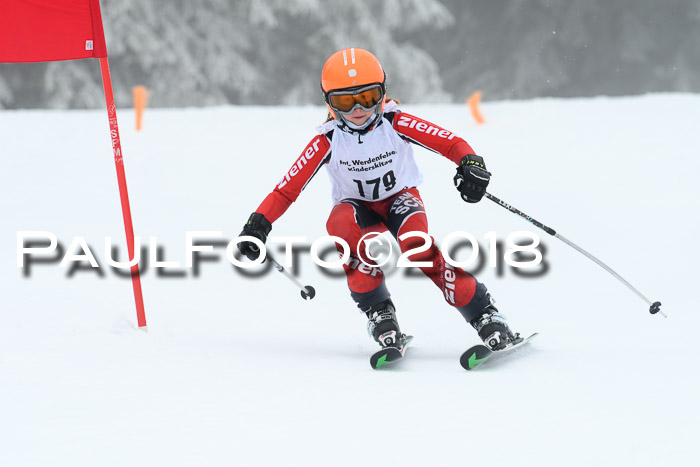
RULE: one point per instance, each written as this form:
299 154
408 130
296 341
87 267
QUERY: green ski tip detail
382 361
473 361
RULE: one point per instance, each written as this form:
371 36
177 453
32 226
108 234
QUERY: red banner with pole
52 30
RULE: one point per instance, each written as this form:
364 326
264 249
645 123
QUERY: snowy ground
241 371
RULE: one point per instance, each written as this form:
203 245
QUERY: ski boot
382 325
493 329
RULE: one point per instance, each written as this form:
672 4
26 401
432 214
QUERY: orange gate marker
140 102
473 103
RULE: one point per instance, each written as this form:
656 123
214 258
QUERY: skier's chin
358 121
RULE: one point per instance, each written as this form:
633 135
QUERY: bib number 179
388 180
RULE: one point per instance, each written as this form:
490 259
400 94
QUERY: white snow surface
242 371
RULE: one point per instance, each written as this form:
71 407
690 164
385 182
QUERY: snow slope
241 371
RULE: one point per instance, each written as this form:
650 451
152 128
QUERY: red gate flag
50 30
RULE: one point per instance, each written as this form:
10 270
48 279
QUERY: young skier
366 149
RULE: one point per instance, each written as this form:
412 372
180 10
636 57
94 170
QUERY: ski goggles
346 100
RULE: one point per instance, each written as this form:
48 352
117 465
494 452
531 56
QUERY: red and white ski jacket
372 167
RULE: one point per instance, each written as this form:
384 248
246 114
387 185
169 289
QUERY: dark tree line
213 52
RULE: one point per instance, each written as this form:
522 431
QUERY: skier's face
359 116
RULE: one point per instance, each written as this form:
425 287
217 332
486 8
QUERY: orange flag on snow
473 103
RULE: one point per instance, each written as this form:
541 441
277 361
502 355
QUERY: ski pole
307 292
654 307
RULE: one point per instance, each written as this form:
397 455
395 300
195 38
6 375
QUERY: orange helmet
354 77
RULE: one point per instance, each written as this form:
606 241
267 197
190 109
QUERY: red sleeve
296 178
431 136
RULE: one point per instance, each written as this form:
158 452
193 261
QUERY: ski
389 355
478 354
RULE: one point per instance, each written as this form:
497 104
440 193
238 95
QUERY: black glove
472 178
258 227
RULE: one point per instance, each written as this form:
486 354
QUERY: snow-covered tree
213 52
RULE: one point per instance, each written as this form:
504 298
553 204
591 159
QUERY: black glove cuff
471 160
258 222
